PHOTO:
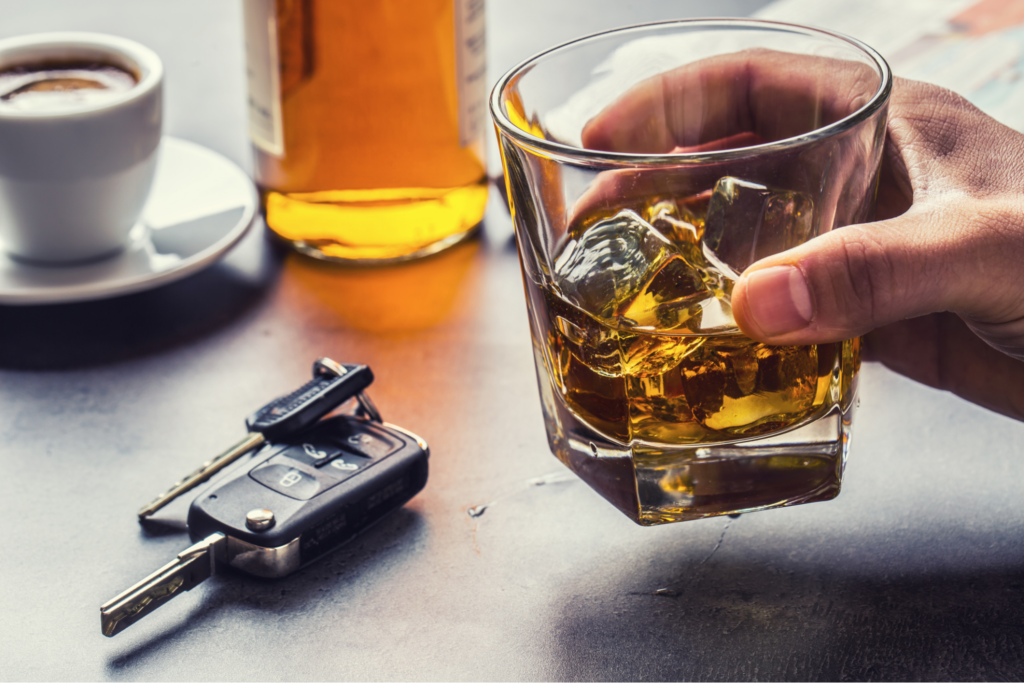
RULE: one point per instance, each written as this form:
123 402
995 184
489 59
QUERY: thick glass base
376 226
658 483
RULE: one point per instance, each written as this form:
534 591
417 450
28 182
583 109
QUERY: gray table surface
915 572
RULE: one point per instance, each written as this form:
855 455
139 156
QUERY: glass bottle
367 123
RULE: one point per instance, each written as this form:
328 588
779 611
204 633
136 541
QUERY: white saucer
200 206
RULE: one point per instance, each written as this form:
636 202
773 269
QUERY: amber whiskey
367 121
651 393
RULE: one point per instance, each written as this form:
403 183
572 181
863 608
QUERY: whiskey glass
647 167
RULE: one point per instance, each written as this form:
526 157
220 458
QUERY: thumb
854 279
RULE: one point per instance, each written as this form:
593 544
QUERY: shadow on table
382 549
734 621
89 333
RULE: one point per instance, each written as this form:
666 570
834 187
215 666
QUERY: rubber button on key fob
313 453
286 480
345 465
372 444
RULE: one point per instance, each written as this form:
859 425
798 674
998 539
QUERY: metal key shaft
205 472
191 567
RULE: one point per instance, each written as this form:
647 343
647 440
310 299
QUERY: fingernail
778 300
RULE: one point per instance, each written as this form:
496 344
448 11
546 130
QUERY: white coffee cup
73 181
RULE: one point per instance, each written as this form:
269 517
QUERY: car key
332 385
297 501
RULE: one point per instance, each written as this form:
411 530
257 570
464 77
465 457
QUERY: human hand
938 280
720 103
935 284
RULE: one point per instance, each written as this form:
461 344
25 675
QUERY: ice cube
609 263
748 221
681 227
788 222
651 355
626 273
745 387
595 346
671 299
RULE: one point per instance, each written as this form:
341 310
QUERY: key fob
298 500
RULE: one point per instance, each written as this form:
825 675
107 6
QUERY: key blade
333 383
205 473
192 566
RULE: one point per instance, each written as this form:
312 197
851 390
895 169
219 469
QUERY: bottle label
471 62
264 77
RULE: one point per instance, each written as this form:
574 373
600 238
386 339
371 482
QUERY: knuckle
919 101
948 143
991 251
864 286
1001 221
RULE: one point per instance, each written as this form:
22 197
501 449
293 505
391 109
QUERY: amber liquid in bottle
381 125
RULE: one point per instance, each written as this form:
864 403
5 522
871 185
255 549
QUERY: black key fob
298 500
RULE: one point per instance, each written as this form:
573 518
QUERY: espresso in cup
57 86
80 126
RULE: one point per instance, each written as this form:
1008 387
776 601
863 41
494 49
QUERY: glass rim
580 154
